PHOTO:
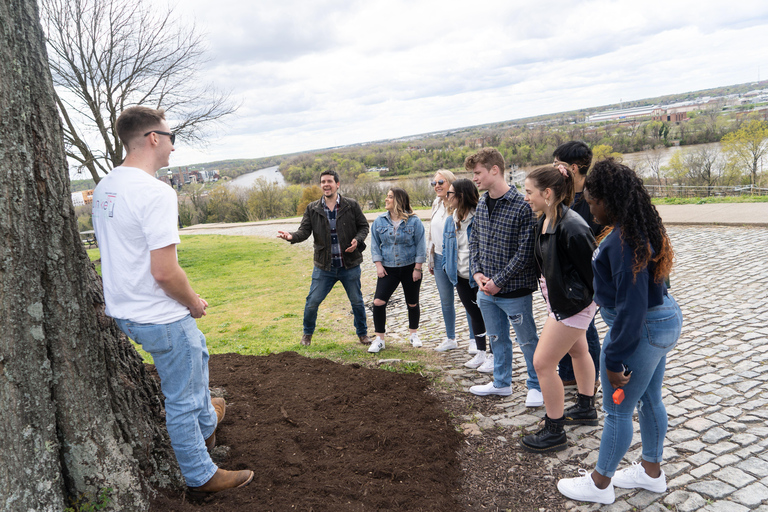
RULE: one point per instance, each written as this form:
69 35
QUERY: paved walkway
716 386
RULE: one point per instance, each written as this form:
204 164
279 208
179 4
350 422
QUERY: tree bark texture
79 412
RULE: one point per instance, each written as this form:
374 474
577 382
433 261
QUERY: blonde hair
448 175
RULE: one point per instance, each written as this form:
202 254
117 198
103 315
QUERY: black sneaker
551 438
583 412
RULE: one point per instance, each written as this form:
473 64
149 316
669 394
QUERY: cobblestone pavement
716 385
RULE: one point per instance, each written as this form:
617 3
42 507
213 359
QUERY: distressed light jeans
498 314
447 300
322 284
660 333
181 360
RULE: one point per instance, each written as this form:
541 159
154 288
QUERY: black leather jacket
350 223
564 256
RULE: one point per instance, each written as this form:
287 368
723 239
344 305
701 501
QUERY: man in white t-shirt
150 298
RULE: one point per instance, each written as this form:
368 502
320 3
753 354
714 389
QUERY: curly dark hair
627 203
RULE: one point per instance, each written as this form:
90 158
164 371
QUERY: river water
245 181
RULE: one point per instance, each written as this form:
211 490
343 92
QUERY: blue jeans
181 360
322 284
565 367
498 313
660 333
445 290
447 301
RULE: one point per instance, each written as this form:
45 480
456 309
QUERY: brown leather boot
306 340
221 410
364 339
221 481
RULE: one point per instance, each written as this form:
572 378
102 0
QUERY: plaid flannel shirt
501 247
336 260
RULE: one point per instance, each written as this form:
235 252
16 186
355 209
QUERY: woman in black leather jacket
563 250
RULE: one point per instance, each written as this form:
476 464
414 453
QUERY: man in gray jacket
339 229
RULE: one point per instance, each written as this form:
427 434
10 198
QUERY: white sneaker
487 366
488 389
635 477
376 345
448 344
583 488
472 347
415 341
476 361
534 398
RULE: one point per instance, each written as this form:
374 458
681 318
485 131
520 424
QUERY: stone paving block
734 476
718 417
694 446
714 489
705 470
754 466
699 424
674 469
715 435
752 495
744 439
643 499
681 434
728 459
685 501
722 447
617 506
725 506
680 481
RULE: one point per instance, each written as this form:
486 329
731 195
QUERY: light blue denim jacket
398 248
450 250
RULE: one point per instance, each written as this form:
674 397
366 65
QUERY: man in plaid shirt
501 263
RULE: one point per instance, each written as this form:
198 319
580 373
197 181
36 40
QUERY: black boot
583 412
551 438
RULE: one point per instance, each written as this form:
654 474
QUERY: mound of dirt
323 436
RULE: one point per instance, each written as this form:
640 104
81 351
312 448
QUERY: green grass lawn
256 290
709 200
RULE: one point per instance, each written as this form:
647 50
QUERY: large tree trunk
79 412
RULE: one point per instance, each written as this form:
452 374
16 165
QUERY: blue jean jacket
451 249
401 247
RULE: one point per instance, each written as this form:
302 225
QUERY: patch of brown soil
322 436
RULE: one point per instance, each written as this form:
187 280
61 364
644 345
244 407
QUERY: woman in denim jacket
630 265
462 198
399 250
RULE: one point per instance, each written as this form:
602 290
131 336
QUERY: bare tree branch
106 55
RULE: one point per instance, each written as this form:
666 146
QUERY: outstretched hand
284 235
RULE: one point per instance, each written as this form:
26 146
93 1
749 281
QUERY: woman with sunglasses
462 198
440 213
399 251
644 322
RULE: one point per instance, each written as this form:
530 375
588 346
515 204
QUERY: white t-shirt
436 226
462 245
133 214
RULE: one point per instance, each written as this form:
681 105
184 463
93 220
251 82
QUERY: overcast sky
317 73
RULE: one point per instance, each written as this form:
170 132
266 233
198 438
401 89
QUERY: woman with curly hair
630 265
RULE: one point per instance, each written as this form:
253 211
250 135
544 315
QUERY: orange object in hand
618 396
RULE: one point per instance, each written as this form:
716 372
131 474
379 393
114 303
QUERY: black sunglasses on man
170 134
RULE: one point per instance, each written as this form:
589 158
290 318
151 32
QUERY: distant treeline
522 145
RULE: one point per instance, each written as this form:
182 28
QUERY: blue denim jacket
398 248
450 251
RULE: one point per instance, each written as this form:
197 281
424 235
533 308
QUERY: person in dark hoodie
633 258
576 156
